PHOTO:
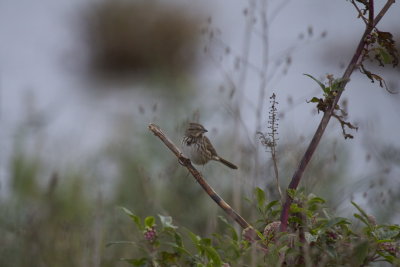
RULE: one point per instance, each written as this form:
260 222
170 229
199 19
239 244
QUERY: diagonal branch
383 11
328 113
371 13
198 176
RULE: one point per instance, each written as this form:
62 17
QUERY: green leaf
332 252
383 233
360 253
167 259
326 213
314 100
283 249
364 216
206 241
295 208
259 234
134 218
384 241
295 220
363 213
212 254
260 194
291 193
272 204
136 262
316 200
195 238
389 258
181 250
337 85
274 213
317 81
120 242
310 237
315 203
231 229
336 221
358 216
149 221
178 239
384 55
166 222
178 249
127 211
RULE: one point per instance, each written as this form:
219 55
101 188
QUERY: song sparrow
199 148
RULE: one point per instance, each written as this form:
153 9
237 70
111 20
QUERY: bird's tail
226 163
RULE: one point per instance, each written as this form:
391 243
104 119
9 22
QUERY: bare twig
263 78
329 112
383 11
276 172
360 14
198 176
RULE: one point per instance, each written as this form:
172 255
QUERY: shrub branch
330 110
198 176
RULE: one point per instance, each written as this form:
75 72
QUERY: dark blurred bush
141 37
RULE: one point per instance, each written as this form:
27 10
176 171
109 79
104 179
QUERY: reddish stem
328 114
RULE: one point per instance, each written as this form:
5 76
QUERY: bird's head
195 130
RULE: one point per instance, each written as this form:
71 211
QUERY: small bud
371 219
271 230
390 247
249 234
150 234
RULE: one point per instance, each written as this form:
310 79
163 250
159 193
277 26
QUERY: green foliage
149 221
316 237
329 94
380 47
24 173
172 247
45 224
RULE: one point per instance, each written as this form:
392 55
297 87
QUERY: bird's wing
210 146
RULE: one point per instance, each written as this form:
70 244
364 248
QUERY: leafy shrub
317 238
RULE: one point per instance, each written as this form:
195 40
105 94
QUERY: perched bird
198 147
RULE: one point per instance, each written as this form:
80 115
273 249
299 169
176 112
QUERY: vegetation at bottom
317 238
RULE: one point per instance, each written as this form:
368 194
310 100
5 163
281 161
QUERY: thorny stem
198 176
328 114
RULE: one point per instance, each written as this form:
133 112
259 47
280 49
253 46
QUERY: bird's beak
205 130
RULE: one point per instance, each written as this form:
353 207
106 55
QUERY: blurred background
81 80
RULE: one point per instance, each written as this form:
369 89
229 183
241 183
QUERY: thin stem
360 14
198 176
277 177
273 125
263 79
383 11
328 114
